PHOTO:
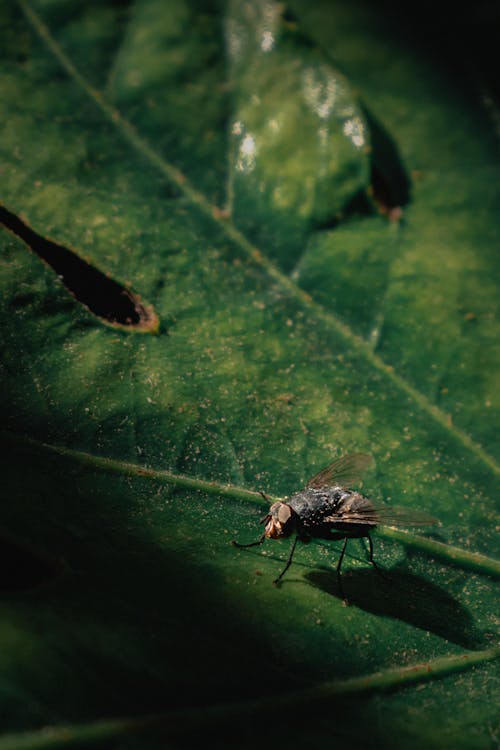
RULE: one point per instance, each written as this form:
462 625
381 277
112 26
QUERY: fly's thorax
280 521
312 503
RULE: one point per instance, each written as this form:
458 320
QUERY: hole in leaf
102 295
22 568
389 181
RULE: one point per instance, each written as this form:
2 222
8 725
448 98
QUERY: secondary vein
456 555
50 738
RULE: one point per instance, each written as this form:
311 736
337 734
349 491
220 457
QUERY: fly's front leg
289 561
252 544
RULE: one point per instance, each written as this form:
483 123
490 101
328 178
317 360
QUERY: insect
328 509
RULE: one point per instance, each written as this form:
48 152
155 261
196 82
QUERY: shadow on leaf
23 568
404 596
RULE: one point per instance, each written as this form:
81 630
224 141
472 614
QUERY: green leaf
291 331
281 186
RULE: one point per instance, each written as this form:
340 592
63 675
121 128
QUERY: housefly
328 509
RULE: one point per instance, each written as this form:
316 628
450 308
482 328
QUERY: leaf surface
122 594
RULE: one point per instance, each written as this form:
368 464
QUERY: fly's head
280 521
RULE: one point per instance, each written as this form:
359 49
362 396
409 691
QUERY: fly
328 509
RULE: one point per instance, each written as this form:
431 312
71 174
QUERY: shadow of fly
328 509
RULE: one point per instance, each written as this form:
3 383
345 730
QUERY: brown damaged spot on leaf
104 297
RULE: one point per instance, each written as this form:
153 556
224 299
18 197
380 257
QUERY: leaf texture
291 332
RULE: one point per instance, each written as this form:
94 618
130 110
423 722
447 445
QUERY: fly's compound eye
284 513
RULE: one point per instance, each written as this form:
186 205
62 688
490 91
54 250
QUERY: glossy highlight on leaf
282 83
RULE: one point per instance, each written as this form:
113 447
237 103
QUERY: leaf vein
457 556
50 738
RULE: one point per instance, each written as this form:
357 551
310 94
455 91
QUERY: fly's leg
339 566
370 557
252 544
288 563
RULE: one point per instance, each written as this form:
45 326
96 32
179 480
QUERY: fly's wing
359 510
343 472
399 516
